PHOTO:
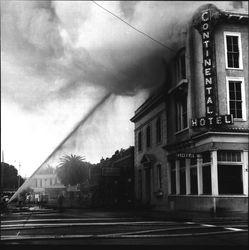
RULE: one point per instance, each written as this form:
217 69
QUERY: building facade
112 180
206 107
46 183
149 155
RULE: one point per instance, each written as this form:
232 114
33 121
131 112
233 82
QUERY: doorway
148 185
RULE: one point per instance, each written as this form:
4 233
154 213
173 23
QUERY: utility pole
19 175
19 180
2 170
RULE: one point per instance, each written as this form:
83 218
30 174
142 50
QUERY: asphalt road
107 228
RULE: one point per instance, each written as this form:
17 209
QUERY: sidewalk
145 213
151 214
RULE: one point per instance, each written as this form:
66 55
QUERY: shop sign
205 23
212 121
186 155
209 70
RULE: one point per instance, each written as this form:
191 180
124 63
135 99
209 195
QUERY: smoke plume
68 45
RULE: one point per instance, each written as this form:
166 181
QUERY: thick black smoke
57 48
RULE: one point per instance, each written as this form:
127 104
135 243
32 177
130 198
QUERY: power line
141 32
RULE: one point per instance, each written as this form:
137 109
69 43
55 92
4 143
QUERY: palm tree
46 170
72 170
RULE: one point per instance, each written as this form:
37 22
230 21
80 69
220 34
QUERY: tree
72 170
9 177
46 170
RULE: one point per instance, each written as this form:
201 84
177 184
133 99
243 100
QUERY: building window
206 157
193 161
173 177
148 136
230 156
182 177
159 176
233 50
236 97
181 112
180 66
193 181
158 130
230 179
140 141
206 179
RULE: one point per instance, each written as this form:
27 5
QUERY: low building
112 180
149 157
47 184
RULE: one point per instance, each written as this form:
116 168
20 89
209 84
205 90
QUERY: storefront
212 175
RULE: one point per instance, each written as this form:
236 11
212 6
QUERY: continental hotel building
191 140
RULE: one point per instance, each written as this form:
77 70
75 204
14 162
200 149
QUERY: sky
60 60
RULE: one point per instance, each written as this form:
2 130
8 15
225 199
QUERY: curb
165 215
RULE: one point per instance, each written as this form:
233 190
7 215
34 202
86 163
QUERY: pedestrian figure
60 202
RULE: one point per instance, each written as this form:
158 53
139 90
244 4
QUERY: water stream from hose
60 146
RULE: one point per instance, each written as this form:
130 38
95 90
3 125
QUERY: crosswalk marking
66 219
84 224
157 230
148 229
91 236
234 229
227 228
208 225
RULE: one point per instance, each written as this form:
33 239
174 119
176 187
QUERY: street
117 228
